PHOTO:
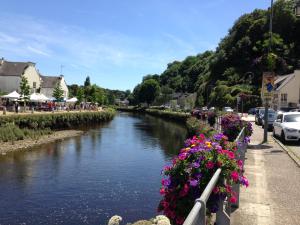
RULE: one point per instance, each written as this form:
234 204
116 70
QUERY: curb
289 152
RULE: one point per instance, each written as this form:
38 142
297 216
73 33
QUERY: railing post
223 217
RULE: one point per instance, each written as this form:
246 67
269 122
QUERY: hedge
57 120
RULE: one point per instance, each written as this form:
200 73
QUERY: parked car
271 119
295 110
252 111
227 109
287 126
258 115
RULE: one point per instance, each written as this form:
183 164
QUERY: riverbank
23 131
26 144
192 124
180 117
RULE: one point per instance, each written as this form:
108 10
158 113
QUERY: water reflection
111 169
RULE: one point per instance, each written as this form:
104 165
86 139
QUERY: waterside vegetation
20 126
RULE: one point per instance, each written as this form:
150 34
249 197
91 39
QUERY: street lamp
297 8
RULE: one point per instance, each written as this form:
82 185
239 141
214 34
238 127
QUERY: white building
50 82
287 91
11 72
10 78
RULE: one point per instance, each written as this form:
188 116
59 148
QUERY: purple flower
193 182
196 165
166 182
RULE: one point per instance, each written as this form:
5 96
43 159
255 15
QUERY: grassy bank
11 133
33 126
166 114
55 121
194 126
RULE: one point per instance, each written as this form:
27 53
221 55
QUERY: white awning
12 95
72 100
36 97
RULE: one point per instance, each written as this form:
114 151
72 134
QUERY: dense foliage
236 66
93 93
11 132
58 92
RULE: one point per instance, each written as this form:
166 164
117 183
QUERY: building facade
50 82
10 78
287 91
11 72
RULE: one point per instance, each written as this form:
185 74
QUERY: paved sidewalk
273 197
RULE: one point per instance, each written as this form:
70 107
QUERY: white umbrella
72 100
12 95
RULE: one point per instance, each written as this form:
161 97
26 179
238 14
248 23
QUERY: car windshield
292 118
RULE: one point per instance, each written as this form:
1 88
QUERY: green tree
80 95
24 89
87 81
58 92
149 91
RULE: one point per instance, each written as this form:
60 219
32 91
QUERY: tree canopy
237 64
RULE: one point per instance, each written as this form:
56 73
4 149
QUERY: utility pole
266 116
61 69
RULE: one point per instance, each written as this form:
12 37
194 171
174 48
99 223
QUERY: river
111 169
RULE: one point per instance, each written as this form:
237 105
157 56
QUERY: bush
57 120
11 132
196 127
187 176
232 126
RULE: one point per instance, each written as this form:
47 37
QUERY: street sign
267 89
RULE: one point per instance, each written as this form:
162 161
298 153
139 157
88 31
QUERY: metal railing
197 215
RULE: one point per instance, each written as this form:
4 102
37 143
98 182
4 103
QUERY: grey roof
49 81
282 81
13 68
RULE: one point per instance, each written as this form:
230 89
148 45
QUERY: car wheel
282 137
263 126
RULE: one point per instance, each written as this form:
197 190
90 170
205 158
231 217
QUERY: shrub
186 178
232 126
57 120
196 127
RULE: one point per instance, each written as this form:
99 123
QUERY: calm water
111 169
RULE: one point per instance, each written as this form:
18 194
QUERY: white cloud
82 49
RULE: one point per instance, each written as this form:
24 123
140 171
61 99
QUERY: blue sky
115 42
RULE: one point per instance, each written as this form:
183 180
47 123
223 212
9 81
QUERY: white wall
32 76
292 89
49 91
64 86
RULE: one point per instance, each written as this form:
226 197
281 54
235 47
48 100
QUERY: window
284 98
279 118
34 85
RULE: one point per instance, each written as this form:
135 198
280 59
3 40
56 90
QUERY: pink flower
230 155
162 191
184 191
209 165
240 164
179 220
235 176
233 199
216 190
182 156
